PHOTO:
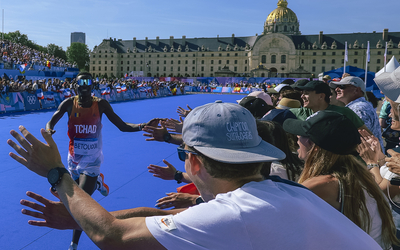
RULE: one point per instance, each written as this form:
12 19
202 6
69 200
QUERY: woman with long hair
328 142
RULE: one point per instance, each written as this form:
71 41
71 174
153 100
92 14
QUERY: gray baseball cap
227 132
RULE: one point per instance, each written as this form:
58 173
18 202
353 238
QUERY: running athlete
84 130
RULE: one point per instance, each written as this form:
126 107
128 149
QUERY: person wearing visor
85 153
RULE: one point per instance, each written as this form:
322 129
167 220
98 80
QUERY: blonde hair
355 178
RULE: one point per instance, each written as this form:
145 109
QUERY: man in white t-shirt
223 157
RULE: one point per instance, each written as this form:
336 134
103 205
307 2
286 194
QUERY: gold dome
282 14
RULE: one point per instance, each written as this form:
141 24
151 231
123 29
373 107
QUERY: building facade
280 51
78 37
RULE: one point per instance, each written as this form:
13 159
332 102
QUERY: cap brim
272 91
264 152
294 126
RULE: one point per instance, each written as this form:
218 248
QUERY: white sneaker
101 186
73 246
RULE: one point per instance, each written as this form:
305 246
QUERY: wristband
141 126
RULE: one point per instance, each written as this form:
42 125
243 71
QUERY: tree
78 53
56 51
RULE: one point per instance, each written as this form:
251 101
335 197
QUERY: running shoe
73 246
101 186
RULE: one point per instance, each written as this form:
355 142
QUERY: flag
67 93
92 93
368 53
385 55
48 64
106 91
39 94
50 97
77 114
346 54
126 75
123 88
118 87
22 68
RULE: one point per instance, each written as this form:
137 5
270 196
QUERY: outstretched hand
53 213
155 133
177 200
174 125
183 112
393 163
34 154
165 173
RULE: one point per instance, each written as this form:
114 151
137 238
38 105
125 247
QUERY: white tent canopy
390 66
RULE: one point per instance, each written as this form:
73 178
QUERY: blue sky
52 21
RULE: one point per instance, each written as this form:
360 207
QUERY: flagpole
366 64
385 56
345 58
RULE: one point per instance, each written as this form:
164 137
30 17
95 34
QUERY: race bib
86 146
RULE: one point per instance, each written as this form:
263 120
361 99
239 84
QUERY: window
158 55
324 53
158 68
245 61
99 68
202 61
263 59
355 61
202 55
128 56
333 67
149 55
245 68
378 68
158 62
194 55
235 69
122 68
186 55
112 68
342 60
333 61
179 61
134 68
94 68
122 56
172 68
302 60
165 62
141 62
105 56
185 68
186 61
127 68
302 53
219 61
227 54
378 61
314 53
333 53
179 68
94 62
356 53
314 62
273 59
122 62
379 53
220 54
172 55
202 68
105 62
323 61
179 55
283 58
389 52
236 54
165 68
313 69
323 68
99 56
105 68
128 62
235 61
212 69
227 61
342 53
172 62
99 62
94 56
212 61
193 68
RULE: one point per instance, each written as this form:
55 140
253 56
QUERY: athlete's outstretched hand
34 154
165 173
174 125
53 213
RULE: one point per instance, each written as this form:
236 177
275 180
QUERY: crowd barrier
25 101
219 89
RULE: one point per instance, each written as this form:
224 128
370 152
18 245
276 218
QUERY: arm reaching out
167 172
183 112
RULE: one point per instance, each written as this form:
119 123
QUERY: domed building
282 20
280 51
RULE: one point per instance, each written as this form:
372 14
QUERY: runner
84 130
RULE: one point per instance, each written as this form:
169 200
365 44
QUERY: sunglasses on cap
182 153
83 82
